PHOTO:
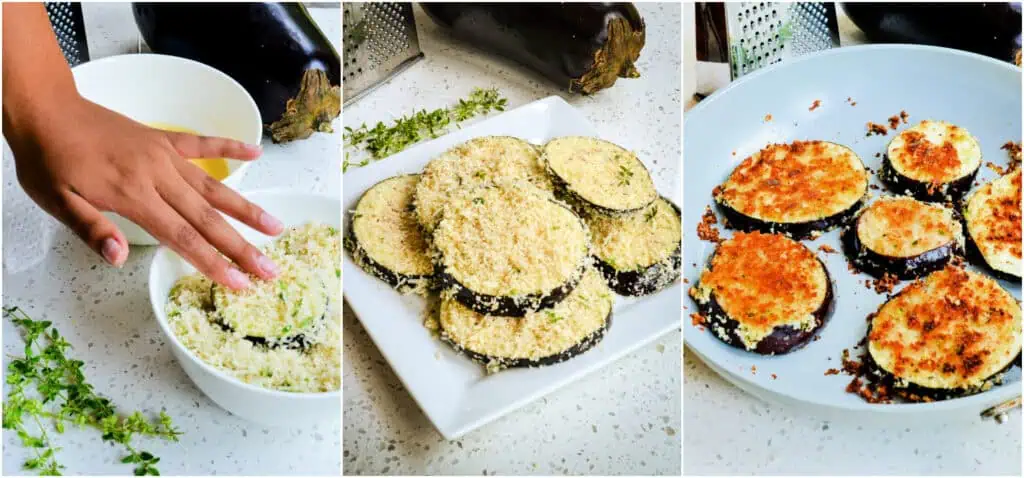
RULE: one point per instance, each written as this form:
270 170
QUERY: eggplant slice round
284 312
992 218
931 161
598 177
385 239
539 338
508 250
799 189
765 293
903 237
478 162
639 254
950 334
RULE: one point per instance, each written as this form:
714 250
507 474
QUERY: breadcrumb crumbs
706 230
1013 149
876 129
827 249
815 105
884 284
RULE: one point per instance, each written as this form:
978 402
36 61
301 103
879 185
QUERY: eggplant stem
313 108
613 60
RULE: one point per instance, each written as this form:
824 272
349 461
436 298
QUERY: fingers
164 223
94 228
215 229
194 146
225 199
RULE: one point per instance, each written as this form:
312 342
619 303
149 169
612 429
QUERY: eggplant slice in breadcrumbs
539 338
765 293
799 189
931 161
639 254
993 228
508 250
385 239
903 237
950 334
598 177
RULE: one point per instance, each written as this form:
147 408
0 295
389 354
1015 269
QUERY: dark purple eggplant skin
646 280
558 40
927 192
797 230
992 28
265 47
782 340
503 306
904 268
974 256
582 346
297 341
392 278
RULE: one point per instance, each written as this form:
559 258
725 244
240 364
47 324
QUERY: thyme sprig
46 385
382 140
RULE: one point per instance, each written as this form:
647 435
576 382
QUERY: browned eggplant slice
931 161
385 239
765 293
903 237
952 333
639 254
799 189
508 250
540 338
993 228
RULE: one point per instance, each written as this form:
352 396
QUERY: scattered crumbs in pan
832 371
873 187
706 229
998 169
883 285
827 249
894 122
876 129
815 105
1013 149
696 319
734 152
904 116
686 281
850 101
774 377
753 369
768 117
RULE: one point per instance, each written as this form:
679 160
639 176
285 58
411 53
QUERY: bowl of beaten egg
271 353
175 94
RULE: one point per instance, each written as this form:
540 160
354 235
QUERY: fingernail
270 223
237 279
111 250
266 265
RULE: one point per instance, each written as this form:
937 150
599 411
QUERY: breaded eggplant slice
799 189
598 177
539 338
931 161
765 293
510 249
639 254
283 312
478 162
993 228
950 334
903 237
385 239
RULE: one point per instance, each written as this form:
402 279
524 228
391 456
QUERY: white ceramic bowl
257 404
172 91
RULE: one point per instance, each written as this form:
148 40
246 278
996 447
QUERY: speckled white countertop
106 315
623 419
729 432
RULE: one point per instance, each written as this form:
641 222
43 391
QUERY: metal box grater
379 42
69 26
765 33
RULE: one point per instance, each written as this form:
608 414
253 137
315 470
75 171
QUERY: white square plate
455 393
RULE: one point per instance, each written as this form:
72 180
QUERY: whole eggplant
991 29
274 50
583 46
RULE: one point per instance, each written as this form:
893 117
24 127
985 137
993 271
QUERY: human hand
89 159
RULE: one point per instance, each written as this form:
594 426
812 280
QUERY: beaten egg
215 167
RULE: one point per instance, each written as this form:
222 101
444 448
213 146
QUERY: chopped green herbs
625 175
381 140
649 216
553 317
478 200
46 385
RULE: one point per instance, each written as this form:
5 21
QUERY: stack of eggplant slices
951 332
523 244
